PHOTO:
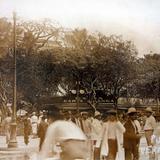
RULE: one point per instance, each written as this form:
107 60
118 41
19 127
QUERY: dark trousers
41 142
113 148
148 135
132 154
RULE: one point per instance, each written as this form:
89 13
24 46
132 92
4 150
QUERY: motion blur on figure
42 128
70 139
34 123
27 128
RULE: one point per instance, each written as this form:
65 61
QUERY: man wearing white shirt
71 140
111 138
34 123
150 125
40 117
96 128
76 120
86 124
7 126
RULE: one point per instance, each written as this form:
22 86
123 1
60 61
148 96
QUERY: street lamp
13 141
78 91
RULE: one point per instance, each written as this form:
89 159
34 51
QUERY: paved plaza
25 150
30 151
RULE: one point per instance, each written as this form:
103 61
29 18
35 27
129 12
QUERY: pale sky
137 20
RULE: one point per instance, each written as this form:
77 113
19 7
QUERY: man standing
69 137
111 138
34 123
42 128
149 126
131 136
7 126
27 128
86 124
76 120
40 117
96 128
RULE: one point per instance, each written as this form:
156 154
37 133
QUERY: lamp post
13 141
78 91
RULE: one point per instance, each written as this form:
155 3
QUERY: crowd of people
87 136
31 125
109 137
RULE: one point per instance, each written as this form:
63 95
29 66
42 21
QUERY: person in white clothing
96 125
69 137
150 125
7 126
111 138
34 123
86 124
96 128
40 117
138 125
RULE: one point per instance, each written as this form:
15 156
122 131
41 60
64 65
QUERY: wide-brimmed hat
97 113
112 111
149 109
84 113
131 110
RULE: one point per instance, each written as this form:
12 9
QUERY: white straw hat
97 113
149 109
131 110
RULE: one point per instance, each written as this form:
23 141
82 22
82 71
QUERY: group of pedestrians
36 126
91 138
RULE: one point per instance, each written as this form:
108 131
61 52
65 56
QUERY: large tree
37 35
98 62
148 82
49 57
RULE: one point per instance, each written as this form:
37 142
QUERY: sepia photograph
79 80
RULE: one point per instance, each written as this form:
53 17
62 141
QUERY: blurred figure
111 138
34 123
42 128
27 128
149 126
0 117
155 140
76 119
0 122
96 128
69 137
40 117
131 136
85 124
7 126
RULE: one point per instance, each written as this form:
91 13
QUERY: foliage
51 59
148 82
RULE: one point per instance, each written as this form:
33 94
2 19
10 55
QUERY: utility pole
78 98
13 141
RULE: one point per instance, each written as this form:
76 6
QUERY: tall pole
158 93
78 96
15 77
13 141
